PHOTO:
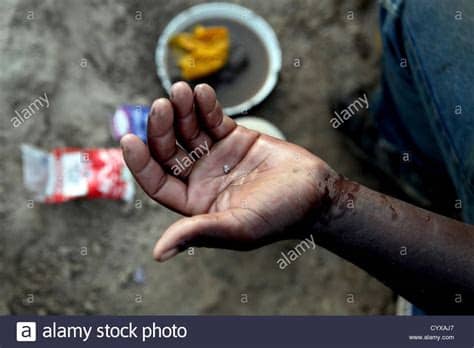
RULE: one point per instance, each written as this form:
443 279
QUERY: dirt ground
95 256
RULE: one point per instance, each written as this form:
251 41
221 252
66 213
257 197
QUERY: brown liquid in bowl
246 70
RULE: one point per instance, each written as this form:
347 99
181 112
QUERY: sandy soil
95 256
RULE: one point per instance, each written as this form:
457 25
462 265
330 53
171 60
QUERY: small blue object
130 119
139 275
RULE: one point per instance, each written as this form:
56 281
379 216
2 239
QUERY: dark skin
276 190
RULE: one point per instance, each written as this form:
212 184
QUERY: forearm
425 257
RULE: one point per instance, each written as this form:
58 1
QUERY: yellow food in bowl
202 52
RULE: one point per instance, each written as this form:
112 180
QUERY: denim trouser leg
426 105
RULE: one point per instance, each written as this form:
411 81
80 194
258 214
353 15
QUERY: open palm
240 189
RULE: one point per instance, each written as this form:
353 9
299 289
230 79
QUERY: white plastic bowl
260 125
242 15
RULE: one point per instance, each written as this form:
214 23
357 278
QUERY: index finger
162 187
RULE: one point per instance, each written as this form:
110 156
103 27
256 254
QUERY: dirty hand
240 189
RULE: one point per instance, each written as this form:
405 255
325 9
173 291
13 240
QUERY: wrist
336 196
323 186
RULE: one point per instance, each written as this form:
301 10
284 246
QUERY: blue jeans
426 103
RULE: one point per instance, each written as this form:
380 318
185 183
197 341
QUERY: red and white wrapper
69 173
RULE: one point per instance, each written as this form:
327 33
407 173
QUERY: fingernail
198 88
168 254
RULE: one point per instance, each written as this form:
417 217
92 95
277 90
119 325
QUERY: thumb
210 230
